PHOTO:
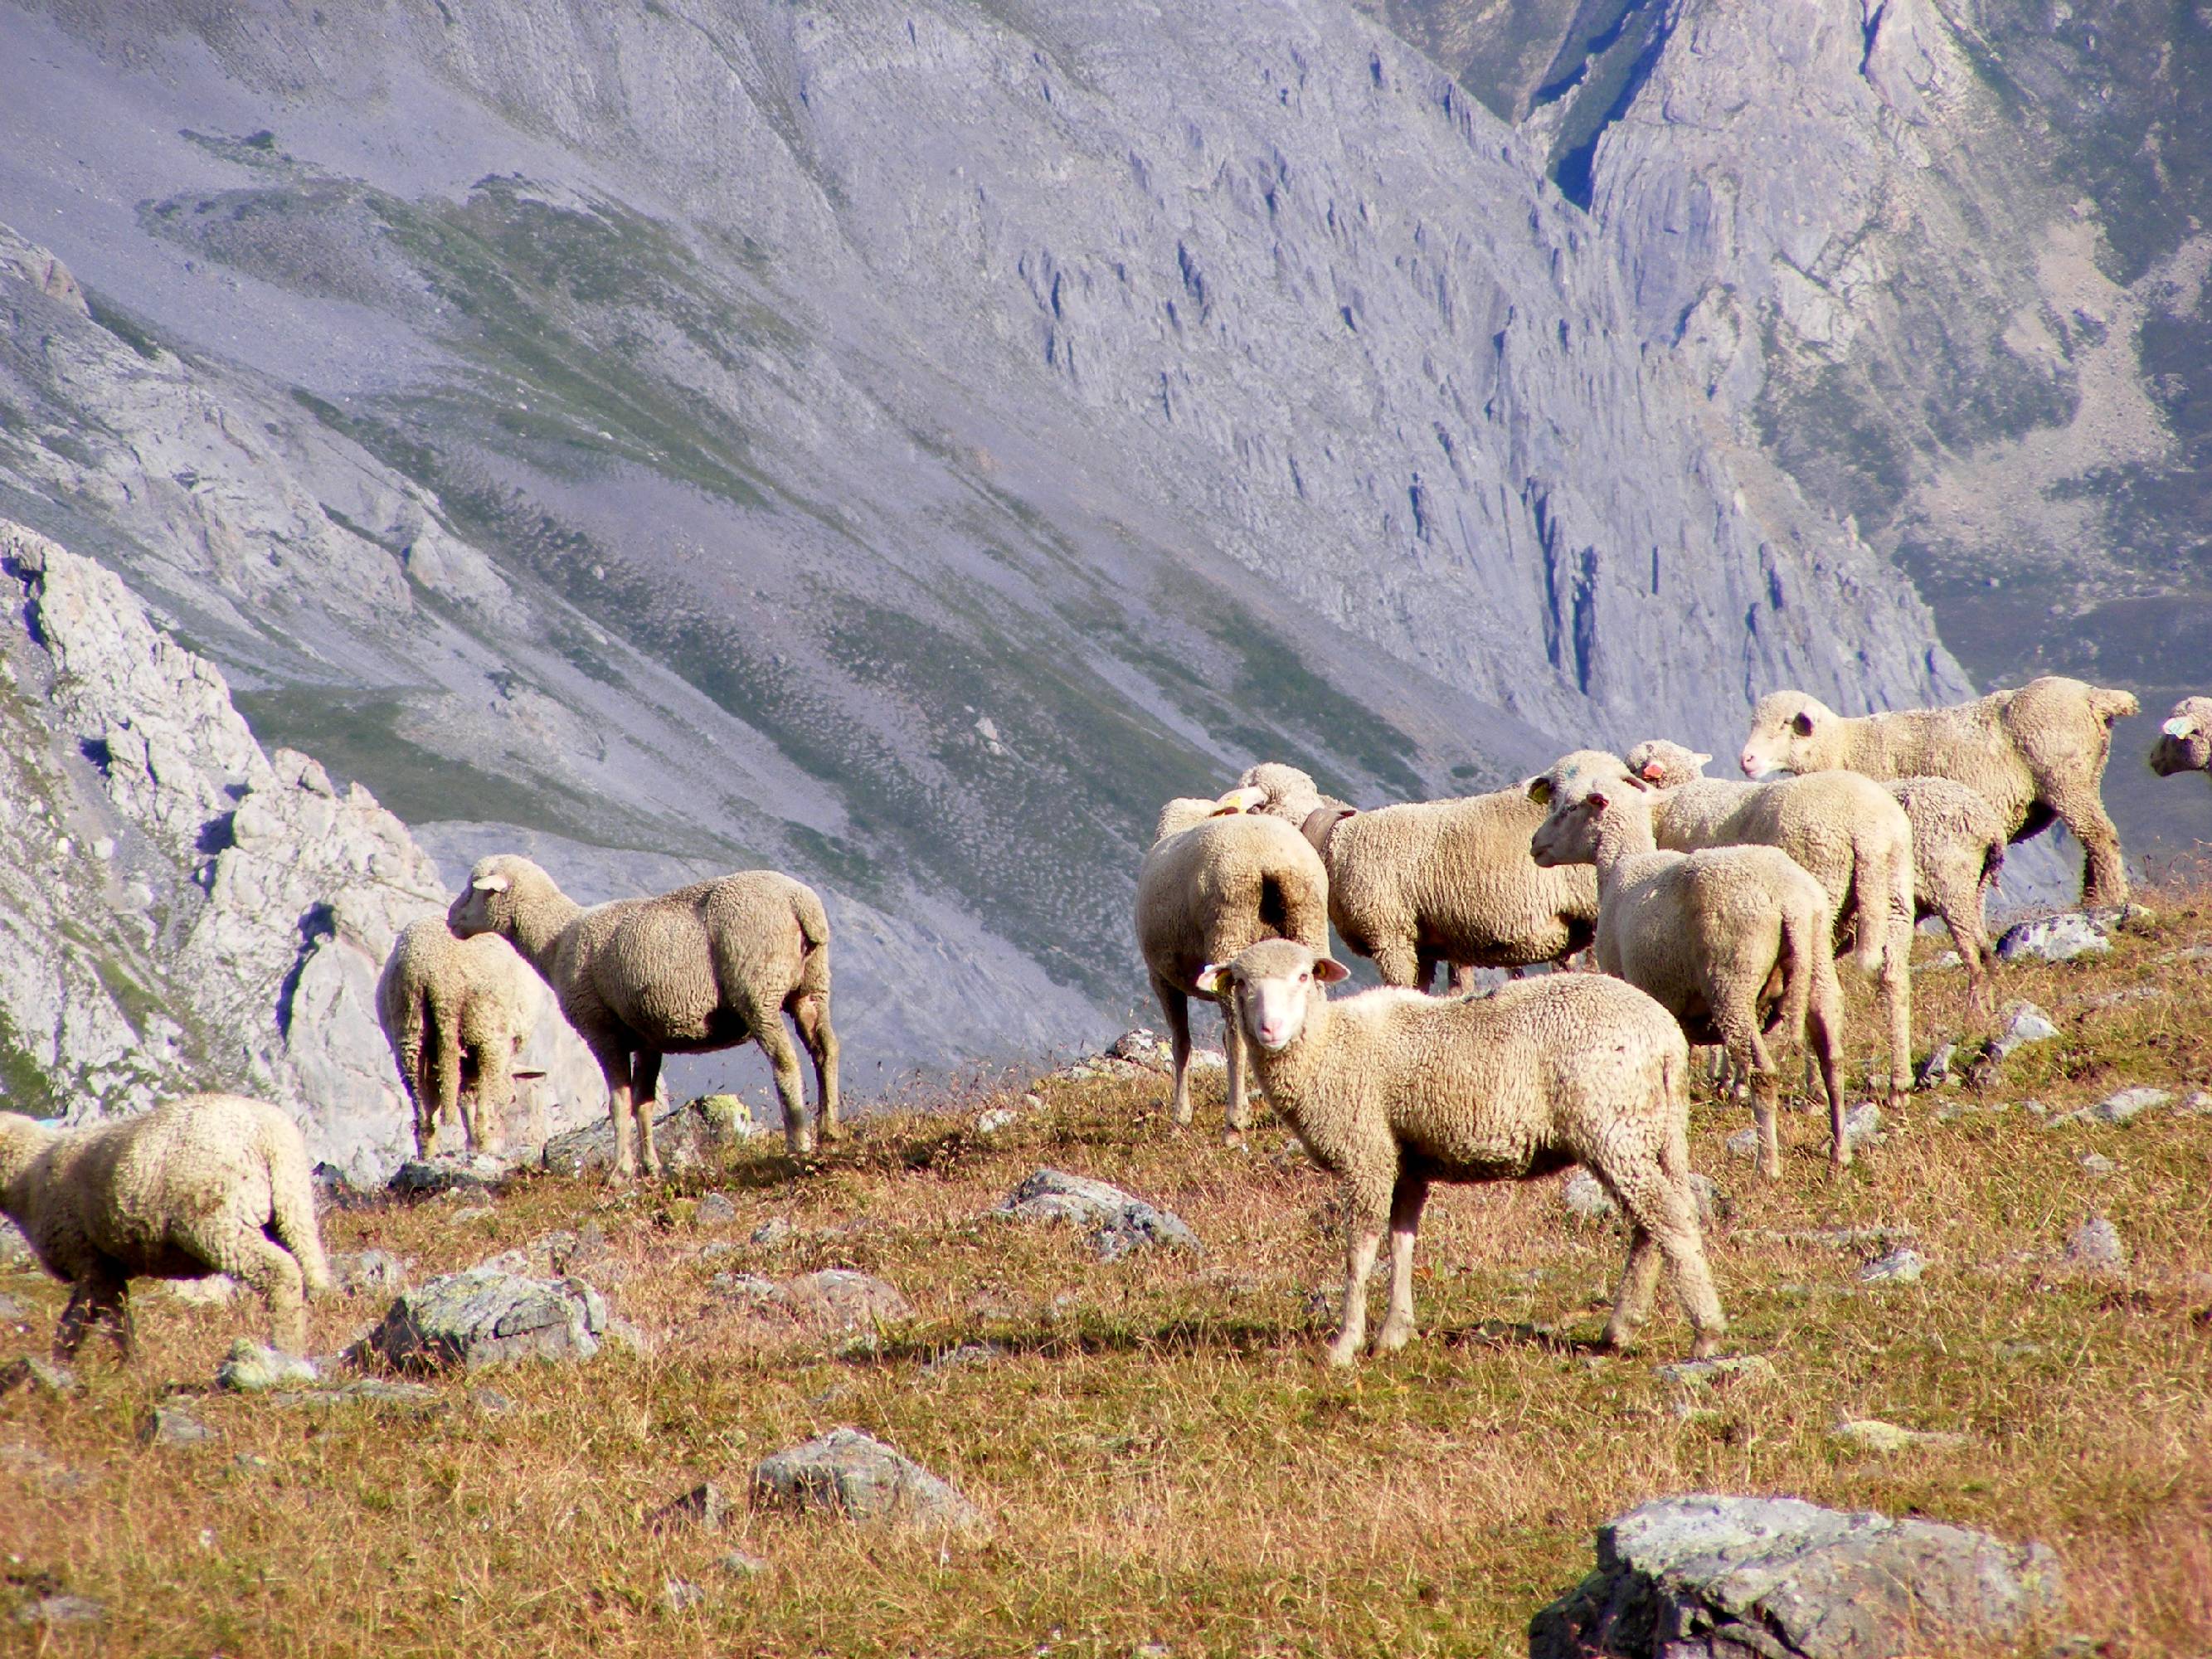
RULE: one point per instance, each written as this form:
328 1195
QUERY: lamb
2035 754
1216 879
1448 881
1958 850
456 1012
1393 1090
703 968
202 1184
2184 742
1719 936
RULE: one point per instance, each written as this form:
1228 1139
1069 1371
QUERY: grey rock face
486 1317
1707 1578
1119 1222
848 1472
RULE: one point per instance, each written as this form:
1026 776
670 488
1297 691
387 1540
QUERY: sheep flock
1638 907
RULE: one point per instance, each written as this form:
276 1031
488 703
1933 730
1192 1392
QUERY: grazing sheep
1393 1091
2184 742
1719 936
2035 754
456 1012
1218 878
1447 881
703 968
203 1184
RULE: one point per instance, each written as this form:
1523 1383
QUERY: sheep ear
1212 977
1246 798
1540 790
1697 759
489 884
1329 971
1636 783
2179 727
1802 722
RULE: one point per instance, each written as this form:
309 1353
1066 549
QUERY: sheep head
1789 732
1668 765
2184 742
1578 794
1270 988
499 886
21 1139
1287 792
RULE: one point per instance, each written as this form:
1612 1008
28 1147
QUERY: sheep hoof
1341 1358
1705 1347
1391 1338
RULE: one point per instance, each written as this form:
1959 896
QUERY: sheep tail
2109 704
814 920
292 1203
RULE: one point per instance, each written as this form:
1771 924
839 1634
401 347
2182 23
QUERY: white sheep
1444 881
200 1185
2035 754
1848 832
2184 741
457 1011
703 968
1719 936
1216 879
1393 1091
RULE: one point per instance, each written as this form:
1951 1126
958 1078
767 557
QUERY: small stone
737 1565
966 1355
16 1253
2097 1166
717 1251
998 1118
849 1472
1935 1070
255 1368
838 1299
705 1505
1872 1434
2129 1104
1704 1373
1862 1125
1033 1102
12 1312
1584 1194
1942 962
2055 939
715 1210
1744 1144
680 1595
2195 1103
54 1610
744 1287
417 1398
1900 1267
2018 1350
490 1401
775 1230
1141 1047
46 1377
434 1177
2096 1244
211 1290
173 1425
2022 1023
469 1212
1121 1221
2035 1109
367 1273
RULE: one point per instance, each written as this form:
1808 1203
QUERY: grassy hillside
1170 1469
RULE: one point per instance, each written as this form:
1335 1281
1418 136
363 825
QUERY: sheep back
1205 893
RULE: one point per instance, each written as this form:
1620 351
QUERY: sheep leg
100 1298
1738 1024
1896 980
1406 1204
1639 1277
1371 1186
2104 873
810 1012
1175 1008
644 1092
492 1105
1974 953
1239 1115
446 1080
798 1128
1462 978
264 1265
1824 1025
614 1066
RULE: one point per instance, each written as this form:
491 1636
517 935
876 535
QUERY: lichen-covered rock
367 1273
2096 1245
451 1172
487 1317
687 1135
848 1473
2055 939
1715 1577
1902 1266
174 1425
253 1367
1119 1222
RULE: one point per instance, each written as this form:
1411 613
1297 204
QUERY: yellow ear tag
1541 792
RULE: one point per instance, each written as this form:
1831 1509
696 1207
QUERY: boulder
686 1137
456 1172
1715 1577
2056 938
1119 1222
487 1317
854 1474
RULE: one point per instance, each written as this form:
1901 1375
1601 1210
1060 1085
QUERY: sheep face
2184 742
1270 987
21 1139
1668 765
487 903
1578 793
1786 729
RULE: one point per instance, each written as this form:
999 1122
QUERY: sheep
199 1185
2184 742
456 1012
1425 882
1848 832
1958 849
1393 1090
1718 937
2035 754
703 968
1217 879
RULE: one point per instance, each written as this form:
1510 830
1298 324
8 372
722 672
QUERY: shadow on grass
1186 1335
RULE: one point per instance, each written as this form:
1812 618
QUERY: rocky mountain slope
1947 265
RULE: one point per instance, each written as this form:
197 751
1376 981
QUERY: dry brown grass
1167 1459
